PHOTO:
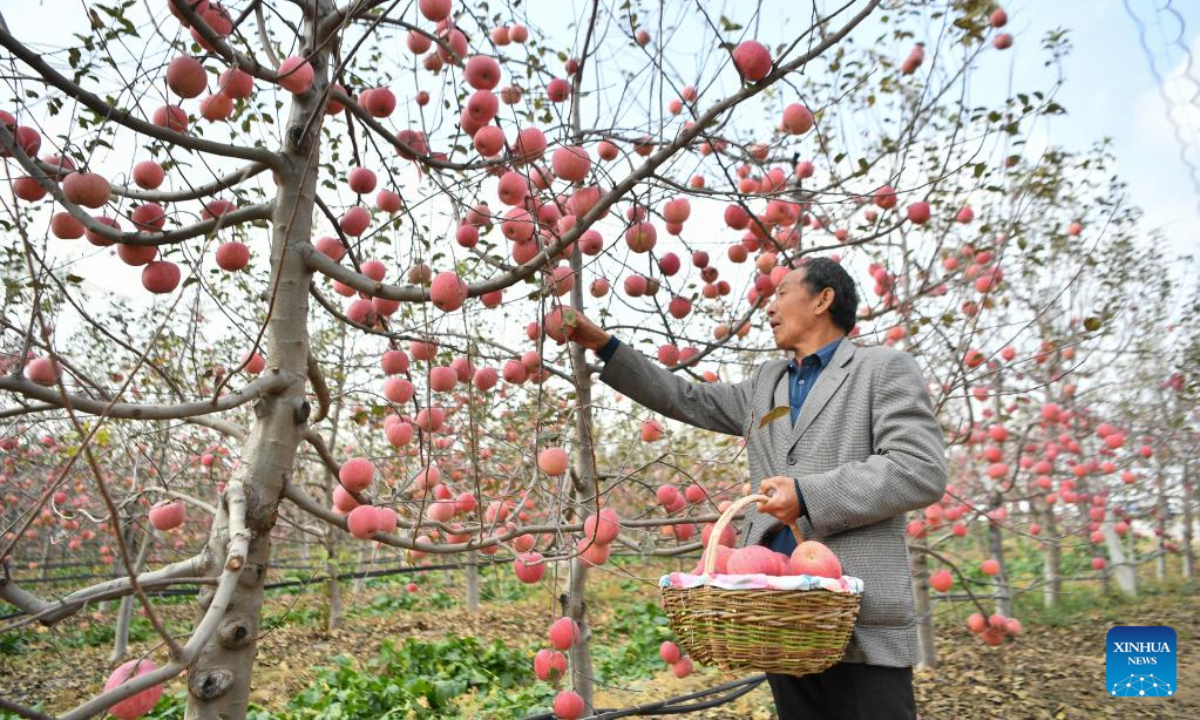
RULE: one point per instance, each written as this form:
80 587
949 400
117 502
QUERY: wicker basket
791 632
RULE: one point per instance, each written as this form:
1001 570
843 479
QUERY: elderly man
861 449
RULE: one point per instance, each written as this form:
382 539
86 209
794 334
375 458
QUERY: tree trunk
1125 573
580 652
219 679
360 562
1052 564
333 586
305 548
996 548
1189 554
125 613
919 563
587 491
1160 515
45 560
472 583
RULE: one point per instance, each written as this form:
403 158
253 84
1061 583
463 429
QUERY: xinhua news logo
1140 661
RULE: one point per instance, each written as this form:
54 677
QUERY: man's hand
585 332
784 506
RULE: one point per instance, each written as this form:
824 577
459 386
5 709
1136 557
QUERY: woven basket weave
790 632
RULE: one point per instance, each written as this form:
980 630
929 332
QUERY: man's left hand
784 506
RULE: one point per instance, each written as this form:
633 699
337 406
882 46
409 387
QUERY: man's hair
821 273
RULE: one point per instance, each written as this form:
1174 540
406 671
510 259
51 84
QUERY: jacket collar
823 356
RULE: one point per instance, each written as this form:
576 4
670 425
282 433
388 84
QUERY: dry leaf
774 415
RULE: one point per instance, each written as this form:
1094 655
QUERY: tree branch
124 117
132 411
320 388
407 293
193 193
226 585
48 613
234 217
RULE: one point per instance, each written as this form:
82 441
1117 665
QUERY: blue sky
1111 91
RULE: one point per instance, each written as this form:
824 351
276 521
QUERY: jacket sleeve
907 469
720 407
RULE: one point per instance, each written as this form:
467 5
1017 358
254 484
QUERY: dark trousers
846 691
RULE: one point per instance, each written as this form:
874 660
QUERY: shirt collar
823 356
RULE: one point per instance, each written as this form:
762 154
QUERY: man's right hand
586 333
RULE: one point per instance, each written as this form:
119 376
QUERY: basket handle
714 538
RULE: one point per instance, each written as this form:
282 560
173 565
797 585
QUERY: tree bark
219 680
580 652
125 613
588 485
1122 570
996 548
1160 516
1052 561
472 583
919 563
1189 518
333 587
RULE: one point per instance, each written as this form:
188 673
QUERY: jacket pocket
887 611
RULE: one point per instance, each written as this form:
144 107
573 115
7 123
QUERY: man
858 448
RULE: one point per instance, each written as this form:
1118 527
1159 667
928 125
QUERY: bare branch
12 707
193 193
184 497
239 535
132 411
320 388
48 613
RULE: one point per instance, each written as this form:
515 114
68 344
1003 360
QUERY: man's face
793 313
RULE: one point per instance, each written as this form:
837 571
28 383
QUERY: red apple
813 558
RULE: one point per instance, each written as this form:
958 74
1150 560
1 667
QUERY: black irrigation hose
310 581
303 568
671 706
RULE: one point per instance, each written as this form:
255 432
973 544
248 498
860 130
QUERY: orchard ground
1054 670
275 301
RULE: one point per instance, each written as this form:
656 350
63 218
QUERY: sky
1111 91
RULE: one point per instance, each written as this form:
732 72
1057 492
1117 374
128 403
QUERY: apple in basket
720 565
757 559
813 558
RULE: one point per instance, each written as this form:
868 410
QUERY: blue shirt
803 375
801 378
605 353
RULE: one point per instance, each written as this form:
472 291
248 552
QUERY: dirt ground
1050 672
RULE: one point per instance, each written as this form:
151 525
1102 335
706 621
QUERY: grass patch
386 604
626 646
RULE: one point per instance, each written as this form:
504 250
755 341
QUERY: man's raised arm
721 407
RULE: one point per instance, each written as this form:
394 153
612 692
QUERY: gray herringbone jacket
866 448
